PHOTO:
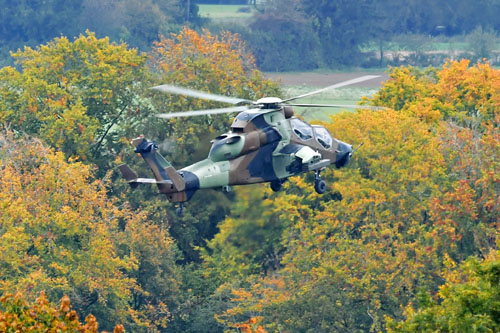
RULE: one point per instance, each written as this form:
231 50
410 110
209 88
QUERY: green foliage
139 23
274 50
29 23
33 22
248 242
342 26
468 301
482 43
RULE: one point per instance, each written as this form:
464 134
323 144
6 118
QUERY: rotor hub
270 102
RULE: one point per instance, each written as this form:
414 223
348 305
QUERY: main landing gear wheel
276 185
319 184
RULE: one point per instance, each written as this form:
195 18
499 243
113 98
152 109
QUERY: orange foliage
210 63
40 316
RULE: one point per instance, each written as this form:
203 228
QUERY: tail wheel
180 210
320 186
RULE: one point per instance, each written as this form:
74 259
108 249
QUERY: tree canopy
406 237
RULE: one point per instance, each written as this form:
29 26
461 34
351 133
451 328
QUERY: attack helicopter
266 143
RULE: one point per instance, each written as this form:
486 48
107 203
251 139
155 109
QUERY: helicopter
266 143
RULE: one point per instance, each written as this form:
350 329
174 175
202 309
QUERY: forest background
406 238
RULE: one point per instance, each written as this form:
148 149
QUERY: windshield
302 129
324 138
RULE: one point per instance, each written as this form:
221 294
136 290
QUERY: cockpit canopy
302 129
323 136
306 132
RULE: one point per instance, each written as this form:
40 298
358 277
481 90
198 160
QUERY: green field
225 12
347 96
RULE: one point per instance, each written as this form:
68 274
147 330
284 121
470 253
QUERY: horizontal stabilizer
133 180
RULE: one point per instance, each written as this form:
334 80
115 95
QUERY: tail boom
167 179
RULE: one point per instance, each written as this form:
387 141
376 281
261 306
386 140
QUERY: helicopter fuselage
266 143
262 146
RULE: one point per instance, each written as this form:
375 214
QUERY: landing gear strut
319 184
179 209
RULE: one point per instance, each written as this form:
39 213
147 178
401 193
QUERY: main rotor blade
335 86
349 106
199 94
201 112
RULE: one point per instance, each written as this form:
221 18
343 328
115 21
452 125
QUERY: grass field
343 96
295 84
225 12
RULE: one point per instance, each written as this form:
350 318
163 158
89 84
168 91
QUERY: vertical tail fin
161 168
129 175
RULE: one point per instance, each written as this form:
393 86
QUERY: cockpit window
324 138
301 129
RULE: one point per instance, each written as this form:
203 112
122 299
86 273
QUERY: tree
282 38
468 301
77 96
62 234
20 316
342 27
459 92
138 23
419 194
36 22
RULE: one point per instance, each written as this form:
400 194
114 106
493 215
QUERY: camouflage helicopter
266 143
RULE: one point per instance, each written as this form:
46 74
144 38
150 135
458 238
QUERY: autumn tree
20 316
464 99
77 96
62 234
211 63
459 92
468 301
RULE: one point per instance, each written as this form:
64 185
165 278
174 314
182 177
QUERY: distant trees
308 34
333 33
139 23
282 38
